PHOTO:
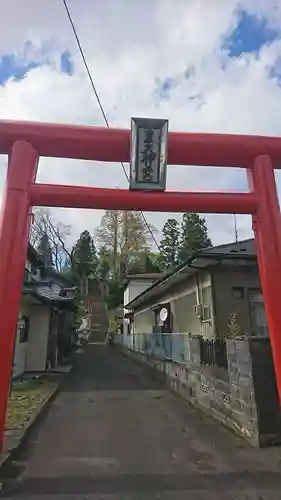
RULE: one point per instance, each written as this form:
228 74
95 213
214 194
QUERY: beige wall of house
143 321
219 292
182 300
38 339
31 355
227 284
20 347
219 295
134 288
183 305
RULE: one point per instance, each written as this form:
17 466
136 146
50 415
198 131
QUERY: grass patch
27 395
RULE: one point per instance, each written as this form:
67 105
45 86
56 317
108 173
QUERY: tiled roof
234 250
45 290
246 247
51 292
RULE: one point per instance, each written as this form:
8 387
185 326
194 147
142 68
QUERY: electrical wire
81 51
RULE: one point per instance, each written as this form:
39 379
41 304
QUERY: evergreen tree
145 262
84 259
151 264
169 245
194 235
45 252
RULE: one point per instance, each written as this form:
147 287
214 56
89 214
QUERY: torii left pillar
14 230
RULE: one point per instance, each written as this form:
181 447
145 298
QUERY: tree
145 262
84 260
194 235
157 261
123 234
45 252
108 236
135 235
169 245
115 295
44 223
104 264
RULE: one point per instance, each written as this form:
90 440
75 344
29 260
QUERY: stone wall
244 397
241 390
265 389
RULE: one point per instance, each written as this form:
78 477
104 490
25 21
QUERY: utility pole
235 228
126 249
115 245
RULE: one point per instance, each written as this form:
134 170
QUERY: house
216 290
133 286
46 323
203 330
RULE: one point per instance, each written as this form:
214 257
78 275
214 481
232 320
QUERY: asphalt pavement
116 433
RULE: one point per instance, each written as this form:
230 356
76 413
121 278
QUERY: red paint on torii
26 142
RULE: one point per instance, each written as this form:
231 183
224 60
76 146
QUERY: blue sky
250 34
66 64
16 67
11 67
207 68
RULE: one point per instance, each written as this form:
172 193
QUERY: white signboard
148 168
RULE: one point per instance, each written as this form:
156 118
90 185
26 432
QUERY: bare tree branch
56 232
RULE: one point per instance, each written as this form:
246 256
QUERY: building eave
200 260
159 288
141 276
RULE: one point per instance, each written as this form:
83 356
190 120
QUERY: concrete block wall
240 397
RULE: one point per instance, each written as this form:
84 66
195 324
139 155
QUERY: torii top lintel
113 145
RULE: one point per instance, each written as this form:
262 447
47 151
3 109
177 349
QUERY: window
206 294
238 292
258 315
23 327
255 296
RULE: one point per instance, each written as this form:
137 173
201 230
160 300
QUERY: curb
9 456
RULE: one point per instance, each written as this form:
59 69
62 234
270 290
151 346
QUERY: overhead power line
100 104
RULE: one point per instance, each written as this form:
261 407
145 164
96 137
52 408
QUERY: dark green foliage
194 235
169 245
84 255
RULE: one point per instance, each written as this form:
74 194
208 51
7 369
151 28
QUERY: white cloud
131 47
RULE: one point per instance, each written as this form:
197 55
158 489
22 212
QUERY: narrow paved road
115 434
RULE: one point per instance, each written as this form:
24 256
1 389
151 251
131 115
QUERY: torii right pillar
267 231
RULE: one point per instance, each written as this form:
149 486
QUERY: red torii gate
24 142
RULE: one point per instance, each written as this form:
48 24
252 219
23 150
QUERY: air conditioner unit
207 312
198 310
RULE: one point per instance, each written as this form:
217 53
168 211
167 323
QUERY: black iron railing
213 352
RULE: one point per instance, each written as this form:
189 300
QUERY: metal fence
213 352
177 347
